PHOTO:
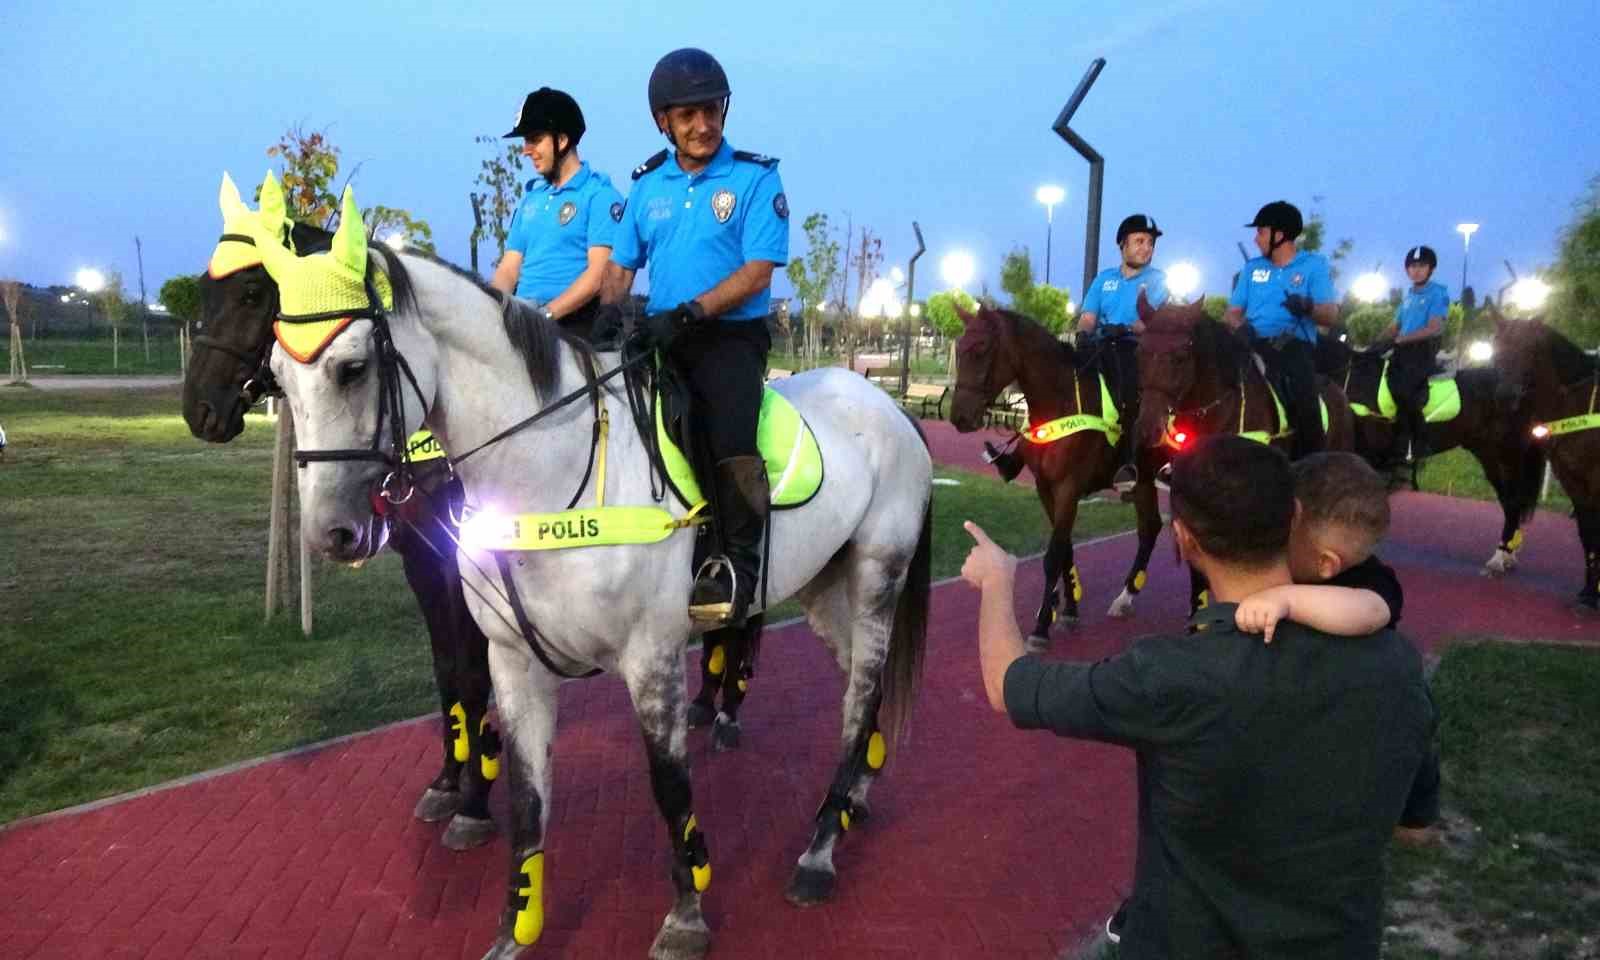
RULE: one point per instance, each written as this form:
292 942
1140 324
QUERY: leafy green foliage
941 311
1215 307
384 222
1045 304
310 163
1367 321
181 297
500 177
814 275
1575 300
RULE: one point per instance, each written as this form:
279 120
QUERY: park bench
885 377
778 373
1010 408
926 395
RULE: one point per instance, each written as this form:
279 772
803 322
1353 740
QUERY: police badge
780 206
1296 280
568 211
616 212
722 205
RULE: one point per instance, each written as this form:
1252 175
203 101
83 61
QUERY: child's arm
1341 611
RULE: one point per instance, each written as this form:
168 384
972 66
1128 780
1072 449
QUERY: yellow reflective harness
1575 424
1060 428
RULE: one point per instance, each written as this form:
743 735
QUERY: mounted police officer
1418 326
1111 312
1278 302
561 234
712 222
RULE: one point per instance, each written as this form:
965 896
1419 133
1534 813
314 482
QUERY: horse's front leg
424 574
1148 511
659 695
736 676
715 646
1589 536
525 694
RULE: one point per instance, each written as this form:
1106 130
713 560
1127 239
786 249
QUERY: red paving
984 842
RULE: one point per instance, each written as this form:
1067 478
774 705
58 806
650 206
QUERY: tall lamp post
1049 195
1466 230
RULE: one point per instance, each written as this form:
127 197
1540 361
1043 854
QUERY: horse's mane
1023 325
537 339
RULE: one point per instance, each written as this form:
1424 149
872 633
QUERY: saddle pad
794 461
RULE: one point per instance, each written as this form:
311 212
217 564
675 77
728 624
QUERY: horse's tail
1527 479
908 638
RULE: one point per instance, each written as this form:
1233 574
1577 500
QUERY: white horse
857 555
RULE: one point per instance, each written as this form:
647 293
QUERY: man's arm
1086 321
737 287
993 572
617 282
1234 318
583 289
507 272
1326 315
1434 328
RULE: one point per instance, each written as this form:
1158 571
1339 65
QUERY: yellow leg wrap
1077 585
1139 580
1205 599
718 661
458 724
701 874
489 765
844 819
1515 543
744 685
530 919
877 748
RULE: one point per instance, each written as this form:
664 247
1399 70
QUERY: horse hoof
679 942
700 715
1036 644
809 887
1587 606
436 805
504 949
1122 607
1501 563
465 832
725 734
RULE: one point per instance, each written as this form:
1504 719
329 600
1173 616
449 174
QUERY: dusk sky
1406 118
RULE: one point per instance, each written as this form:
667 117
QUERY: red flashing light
1180 438
1039 433
1540 432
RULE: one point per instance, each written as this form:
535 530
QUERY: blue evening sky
1407 118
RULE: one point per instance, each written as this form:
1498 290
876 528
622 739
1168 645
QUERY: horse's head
984 366
340 372
238 301
1517 343
1167 363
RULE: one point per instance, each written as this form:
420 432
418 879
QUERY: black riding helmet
550 111
1137 223
1281 217
1422 254
687 76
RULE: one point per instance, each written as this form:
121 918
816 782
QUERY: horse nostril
341 538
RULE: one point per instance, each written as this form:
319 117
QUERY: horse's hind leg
1148 512
1589 536
658 691
714 647
442 797
736 677
472 826
873 590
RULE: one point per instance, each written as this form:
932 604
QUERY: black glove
607 330
1298 304
665 328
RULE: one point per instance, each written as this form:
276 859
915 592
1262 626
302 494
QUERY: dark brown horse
1557 385
1487 427
1000 348
1200 379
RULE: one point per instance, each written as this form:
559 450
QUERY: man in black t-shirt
1270 776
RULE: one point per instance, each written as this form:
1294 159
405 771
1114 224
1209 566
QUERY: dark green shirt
1270 779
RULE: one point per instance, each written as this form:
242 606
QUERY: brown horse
1200 379
1486 427
999 348
1558 385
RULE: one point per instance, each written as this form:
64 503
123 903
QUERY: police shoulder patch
780 206
650 164
760 158
616 211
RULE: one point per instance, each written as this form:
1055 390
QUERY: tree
941 311
385 222
1575 300
502 192
1311 239
1366 322
813 277
181 297
310 165
1045 304
1215 307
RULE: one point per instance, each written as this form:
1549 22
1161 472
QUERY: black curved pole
1097 172
907 320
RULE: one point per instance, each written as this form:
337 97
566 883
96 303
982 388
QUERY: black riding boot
726 584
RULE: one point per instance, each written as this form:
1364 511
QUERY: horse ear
228 199
350 240
274 207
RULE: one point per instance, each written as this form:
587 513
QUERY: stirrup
1126 478
719 611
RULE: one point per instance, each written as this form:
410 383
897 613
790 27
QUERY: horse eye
351 371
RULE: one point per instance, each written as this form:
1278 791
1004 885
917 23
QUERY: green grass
1518 870
132 563
52 357
1457 473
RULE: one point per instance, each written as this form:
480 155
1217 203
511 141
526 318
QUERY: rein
261 382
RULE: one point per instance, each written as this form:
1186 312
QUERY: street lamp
1049 195
90 280
1183 278
395 241
1481 351
1466 230
1529 293
958 269
1370 287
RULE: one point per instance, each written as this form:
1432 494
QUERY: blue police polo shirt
1421 305
696 230
554 228
1114 299
1263 285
